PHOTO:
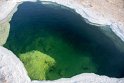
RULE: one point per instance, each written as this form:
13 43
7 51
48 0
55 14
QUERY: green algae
68 61
37 64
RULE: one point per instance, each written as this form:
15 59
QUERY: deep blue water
36 20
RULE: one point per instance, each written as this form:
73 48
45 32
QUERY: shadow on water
76 46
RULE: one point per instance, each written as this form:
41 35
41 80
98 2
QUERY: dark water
77 47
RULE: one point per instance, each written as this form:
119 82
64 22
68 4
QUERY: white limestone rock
85 78
4 32
11 68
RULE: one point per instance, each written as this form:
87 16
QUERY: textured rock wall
4 23
11 68
4 32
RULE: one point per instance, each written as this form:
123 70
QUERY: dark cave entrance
55 42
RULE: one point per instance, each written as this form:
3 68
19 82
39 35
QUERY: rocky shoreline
114 30
12 71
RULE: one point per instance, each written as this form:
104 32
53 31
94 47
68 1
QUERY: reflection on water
75 46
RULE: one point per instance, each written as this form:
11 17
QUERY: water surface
76 46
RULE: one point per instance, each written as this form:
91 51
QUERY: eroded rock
11 68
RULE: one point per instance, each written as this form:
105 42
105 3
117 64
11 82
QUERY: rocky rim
103 12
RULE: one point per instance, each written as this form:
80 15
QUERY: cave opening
55 42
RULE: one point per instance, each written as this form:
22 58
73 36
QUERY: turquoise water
76 46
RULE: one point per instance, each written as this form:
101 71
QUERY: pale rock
11 68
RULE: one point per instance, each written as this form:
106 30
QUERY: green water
54 42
